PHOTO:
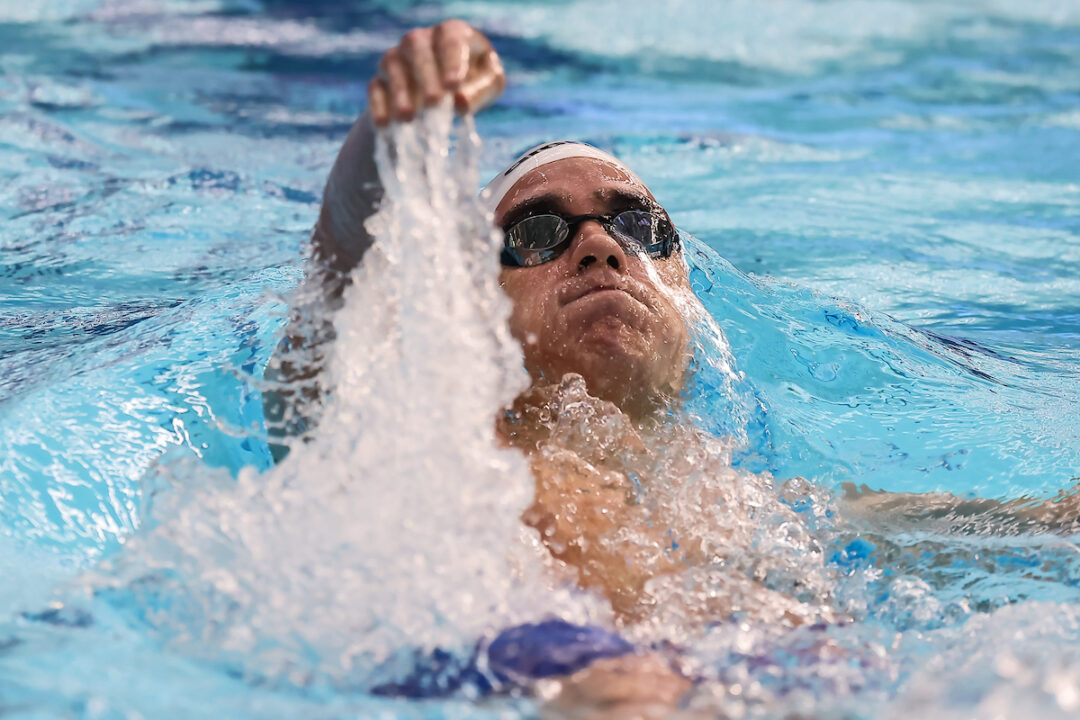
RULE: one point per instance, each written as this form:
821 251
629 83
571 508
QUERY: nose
594 245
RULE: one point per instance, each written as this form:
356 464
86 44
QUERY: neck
529 421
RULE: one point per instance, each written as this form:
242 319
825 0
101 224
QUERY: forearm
352 195
629 686
946 512
450 59
338 243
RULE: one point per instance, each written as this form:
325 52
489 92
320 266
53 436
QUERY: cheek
668 334
675 278
527 299
678 332
673 273
679 335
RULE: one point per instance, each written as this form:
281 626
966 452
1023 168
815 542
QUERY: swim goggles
541 238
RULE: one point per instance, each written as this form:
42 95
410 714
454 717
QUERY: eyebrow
554 202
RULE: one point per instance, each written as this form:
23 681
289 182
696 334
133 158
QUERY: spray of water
395 527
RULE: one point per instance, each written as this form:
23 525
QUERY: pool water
886 207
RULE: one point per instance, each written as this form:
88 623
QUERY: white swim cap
541 155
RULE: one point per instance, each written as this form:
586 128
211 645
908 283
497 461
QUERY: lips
583 287
598 289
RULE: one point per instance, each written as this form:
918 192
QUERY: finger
452 50
419 56
378 103
484 84
393 72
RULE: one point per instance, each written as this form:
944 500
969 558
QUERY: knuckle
414 38
455 25
388 59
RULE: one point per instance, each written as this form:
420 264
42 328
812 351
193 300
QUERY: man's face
595 310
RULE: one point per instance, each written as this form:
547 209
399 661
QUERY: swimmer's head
598 304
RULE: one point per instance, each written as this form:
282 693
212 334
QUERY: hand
450 58
621 688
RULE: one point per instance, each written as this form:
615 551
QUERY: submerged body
607 349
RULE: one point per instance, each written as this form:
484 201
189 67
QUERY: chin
626 370
612 373
618 360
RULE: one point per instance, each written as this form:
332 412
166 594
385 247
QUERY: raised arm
452 59
429 64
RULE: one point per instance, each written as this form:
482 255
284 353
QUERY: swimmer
584 302
591 248
590 264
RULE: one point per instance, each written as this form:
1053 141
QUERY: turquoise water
889 203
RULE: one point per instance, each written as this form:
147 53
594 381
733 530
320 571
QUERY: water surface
890 197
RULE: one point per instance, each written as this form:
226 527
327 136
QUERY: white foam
397 526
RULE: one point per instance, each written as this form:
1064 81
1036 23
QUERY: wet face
598 309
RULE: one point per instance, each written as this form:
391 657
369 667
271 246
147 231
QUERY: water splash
394 529
655 516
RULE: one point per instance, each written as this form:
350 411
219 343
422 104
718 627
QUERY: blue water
890 203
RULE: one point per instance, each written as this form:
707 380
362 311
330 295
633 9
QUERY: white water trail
395 528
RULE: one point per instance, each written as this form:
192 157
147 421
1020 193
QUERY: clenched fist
428 64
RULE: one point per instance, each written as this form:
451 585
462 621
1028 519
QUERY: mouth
598 290
603 286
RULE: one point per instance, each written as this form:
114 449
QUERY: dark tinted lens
539 232
536 239
650 230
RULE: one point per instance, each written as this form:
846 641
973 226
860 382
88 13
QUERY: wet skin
601 311
596 310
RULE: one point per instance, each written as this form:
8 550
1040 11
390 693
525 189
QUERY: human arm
583 671
949 513
451 59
